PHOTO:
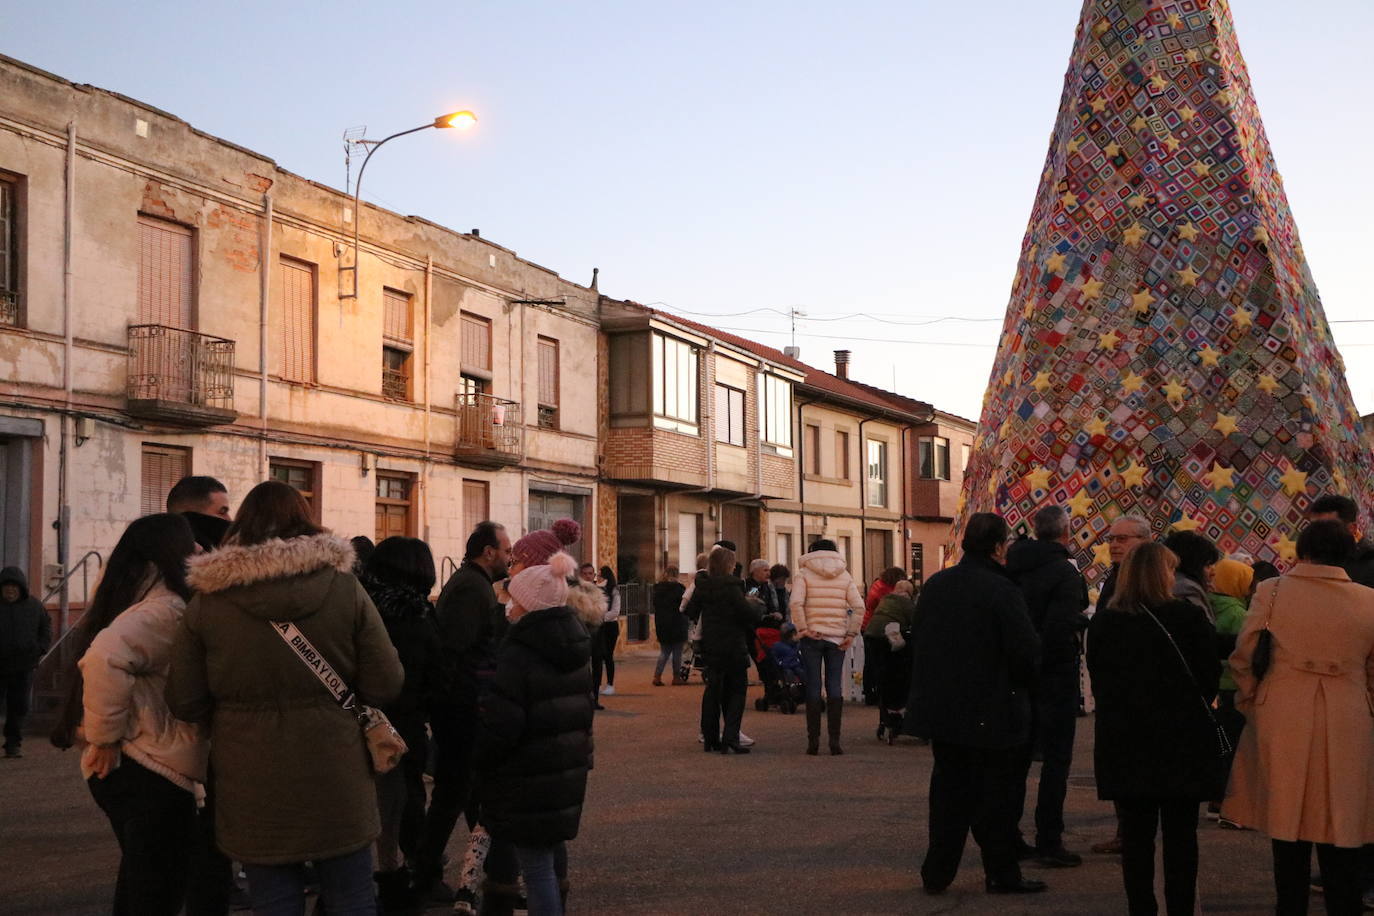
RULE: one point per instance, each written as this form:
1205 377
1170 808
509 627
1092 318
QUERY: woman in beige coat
1304 772
827 609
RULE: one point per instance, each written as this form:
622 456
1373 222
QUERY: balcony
9 308
180 377
489 431
395 384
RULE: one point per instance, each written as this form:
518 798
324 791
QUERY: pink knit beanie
544 586
535 548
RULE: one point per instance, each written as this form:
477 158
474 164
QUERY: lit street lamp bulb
462 120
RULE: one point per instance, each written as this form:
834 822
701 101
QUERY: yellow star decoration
1243 318
963 501
1069 200
1201 169
1141 301
1188 276
1042 381
1102 554
1132 383
1261 234
1174 392
1226 424
1109 341
1192 55
1175 21
1004 429
1038 479
1028 311
1074 146
992 486
1307 400
1092 289
1220 478
1188 232
1188 112
1055 262
1137 201
1134 235
1288 548
1294 481
1209 357
1112 150
1099 106
1134 474
1139 124
1159 82
1081 504
1338 476
1267 383
1173 143
1187 523
1007 377
1225 96
1096 427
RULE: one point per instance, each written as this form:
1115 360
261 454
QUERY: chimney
842 363
476 233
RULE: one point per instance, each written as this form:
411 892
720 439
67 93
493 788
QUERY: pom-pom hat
538 587
535 548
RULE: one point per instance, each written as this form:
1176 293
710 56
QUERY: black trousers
154 822
212 874
455 735
972 789
875 654
722 703
1340 878
15 688
608 635
1140 820
1054 727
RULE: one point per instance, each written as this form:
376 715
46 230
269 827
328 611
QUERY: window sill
833 481
677 426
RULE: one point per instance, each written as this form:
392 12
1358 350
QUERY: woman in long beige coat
1304 772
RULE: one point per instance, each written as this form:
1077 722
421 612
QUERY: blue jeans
345 886
818 653
544 868
664 652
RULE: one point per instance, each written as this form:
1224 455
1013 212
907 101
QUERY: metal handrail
83 565
445 564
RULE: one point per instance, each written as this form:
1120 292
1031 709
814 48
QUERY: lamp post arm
357 190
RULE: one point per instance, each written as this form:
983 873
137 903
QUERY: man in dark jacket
975 661
25 634
471 623
1056 596
1343 509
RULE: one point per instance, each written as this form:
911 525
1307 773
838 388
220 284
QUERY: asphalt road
669 829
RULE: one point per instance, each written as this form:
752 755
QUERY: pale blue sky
721 157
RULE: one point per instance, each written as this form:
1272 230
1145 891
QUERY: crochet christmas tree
1165 352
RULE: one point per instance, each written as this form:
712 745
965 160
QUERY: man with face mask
25 633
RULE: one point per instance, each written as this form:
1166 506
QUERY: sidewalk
669 829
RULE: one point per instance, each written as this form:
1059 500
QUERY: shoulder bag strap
313 660
1179 652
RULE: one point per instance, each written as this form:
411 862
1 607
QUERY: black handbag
1263 656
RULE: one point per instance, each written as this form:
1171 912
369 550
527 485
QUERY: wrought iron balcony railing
490 431
180 376
9 308
395 384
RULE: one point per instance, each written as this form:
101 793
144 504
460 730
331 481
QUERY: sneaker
608 690
745 740
701 739
1213 812
1227 824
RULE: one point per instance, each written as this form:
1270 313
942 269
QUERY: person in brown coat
292 772
1304 771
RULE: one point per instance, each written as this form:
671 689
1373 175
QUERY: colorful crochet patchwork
1165 352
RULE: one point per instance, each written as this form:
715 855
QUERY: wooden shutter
548 372
9 267
163 466
476 342
164 273
476 504
294 321
396 324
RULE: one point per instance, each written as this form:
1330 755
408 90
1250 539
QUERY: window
397 345
166 273
548 507
468 386
877 473
302 476
631 386
395 510
548 383
841 454
690 537
846 545
813 450
729 415
294 322
965 452
163 466
933 453
9 251
675 371
476 504
775 413
784 549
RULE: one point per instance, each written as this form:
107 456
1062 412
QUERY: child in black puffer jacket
535 747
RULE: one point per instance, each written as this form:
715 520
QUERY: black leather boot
813 726
834 710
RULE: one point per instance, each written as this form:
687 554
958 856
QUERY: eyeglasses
1123 538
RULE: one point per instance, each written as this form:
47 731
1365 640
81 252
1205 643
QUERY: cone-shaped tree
1165 353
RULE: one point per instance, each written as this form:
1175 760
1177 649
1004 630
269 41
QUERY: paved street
669 829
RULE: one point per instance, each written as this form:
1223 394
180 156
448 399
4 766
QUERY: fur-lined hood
277 579
588 603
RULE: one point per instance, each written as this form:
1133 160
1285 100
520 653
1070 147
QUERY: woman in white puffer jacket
827 610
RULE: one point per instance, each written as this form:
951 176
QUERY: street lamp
458 120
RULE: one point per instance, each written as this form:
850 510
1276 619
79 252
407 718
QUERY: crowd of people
236 677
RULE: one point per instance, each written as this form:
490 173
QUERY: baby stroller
691 660
783 687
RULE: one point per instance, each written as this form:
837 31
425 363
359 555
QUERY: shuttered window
294 322
548 383
396 325
396 345
395 508
476 504
165 273
303 476
163 466
9 251
476 343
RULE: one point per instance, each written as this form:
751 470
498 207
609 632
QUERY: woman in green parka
1232 584
292 772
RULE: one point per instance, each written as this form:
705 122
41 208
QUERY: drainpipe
424 477
64 512
264 300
